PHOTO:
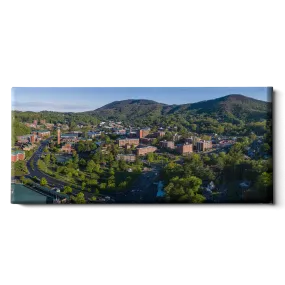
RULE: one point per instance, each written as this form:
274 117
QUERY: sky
79 99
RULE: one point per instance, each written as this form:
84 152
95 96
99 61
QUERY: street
143 190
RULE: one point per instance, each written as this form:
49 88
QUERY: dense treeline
18 129
56 117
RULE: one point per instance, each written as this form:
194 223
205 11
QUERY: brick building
70 137
167 144
147 141
176 137
189 140
184 148
145 150
49 126
142 133
23 139
126 157
203 145
159 134
17 155
130 141
67 148
43 134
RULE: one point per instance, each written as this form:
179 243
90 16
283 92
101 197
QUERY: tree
103 186
79 199
43 182
47 159
93 198
83 185
265 147
150 157
123 185
67 189
82 162
90 166
184 190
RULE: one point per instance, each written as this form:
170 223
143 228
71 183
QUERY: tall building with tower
58 136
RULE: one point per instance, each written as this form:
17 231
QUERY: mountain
230 106
126 110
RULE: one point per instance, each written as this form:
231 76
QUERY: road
51 181
143 189
144 183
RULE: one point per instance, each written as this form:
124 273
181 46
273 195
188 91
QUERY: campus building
130 141
70 137
67 148
184 148
203 145
143 132
126 157
142 150
17 155
167 144
146 141
159 134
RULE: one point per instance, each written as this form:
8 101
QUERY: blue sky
80 99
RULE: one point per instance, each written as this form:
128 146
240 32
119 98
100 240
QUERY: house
143 132
126 157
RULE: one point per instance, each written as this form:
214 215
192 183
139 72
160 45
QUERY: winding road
143 190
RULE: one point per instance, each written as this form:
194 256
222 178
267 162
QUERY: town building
70 137
132 134
17 155
184 148
130 141
28 146
158 134
142 150
176 137
43 134
30 125
146 141
126 157
23 139
49 126
43 122
189 140
67 148
203 145
142 133
167 144
94 134
120 132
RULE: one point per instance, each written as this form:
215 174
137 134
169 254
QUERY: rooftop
15 152
43 131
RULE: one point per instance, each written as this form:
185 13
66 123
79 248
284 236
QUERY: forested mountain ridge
231 106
